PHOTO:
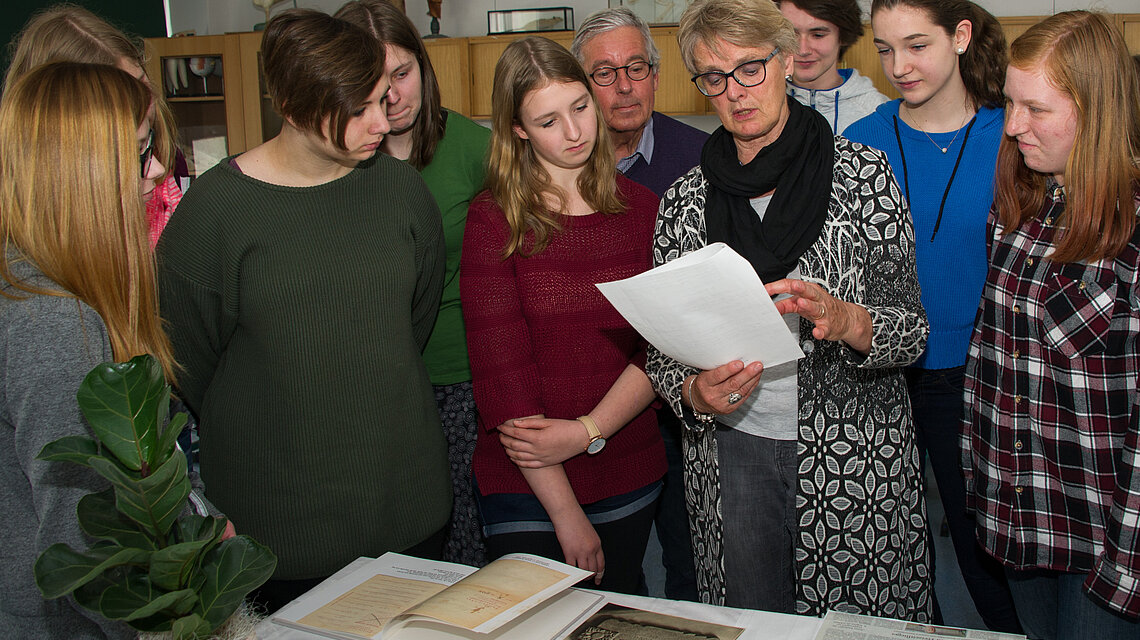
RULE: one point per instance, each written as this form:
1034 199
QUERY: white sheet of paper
705 309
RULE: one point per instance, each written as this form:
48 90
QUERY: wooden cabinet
451 59
229 111
1130 27
201 78
465 68
676 93
485 52
224 113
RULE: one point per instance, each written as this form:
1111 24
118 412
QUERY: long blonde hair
515 177
70 201
69 33
1084 56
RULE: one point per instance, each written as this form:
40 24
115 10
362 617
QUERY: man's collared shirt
644 148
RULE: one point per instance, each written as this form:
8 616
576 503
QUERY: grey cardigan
47 345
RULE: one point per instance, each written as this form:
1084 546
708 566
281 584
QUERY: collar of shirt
644 148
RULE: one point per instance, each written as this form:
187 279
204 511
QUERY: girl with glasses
947 59
77 288
70 32
569 458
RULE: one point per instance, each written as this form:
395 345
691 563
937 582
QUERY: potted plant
155 565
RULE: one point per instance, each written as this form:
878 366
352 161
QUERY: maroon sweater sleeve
543 339
498 339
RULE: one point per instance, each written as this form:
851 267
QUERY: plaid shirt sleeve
1050 436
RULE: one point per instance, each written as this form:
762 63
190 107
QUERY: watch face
596 445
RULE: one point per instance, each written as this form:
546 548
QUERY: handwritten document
365 610
400 597
705 309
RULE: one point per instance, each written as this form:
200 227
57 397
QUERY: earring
961 51
787 78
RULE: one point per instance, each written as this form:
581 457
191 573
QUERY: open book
517 597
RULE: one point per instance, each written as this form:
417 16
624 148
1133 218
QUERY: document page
384 597
705 309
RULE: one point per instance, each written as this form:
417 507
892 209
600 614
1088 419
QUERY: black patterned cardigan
862 540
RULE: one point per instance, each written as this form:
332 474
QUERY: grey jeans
758 509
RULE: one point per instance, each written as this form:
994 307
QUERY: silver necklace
936 145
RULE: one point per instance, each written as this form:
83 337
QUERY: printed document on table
705 309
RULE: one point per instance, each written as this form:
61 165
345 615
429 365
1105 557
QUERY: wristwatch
597 442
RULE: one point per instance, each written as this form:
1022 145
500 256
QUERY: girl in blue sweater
947 58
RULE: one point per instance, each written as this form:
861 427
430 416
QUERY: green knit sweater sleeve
191 272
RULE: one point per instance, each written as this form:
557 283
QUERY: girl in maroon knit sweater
568 461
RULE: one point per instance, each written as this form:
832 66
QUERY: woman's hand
720 390
834 319
542 442
581 545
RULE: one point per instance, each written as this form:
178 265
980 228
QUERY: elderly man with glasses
616 50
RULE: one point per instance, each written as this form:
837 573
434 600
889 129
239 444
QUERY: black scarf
798 165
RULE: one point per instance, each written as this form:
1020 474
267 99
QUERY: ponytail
983 65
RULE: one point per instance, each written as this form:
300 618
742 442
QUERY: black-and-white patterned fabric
465 544
862 539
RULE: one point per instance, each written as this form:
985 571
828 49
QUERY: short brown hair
744 23
319 67
844 14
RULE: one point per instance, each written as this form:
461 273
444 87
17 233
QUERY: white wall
469 17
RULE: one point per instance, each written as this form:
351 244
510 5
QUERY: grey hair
605 20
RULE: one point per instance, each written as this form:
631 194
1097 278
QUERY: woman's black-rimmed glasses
746 74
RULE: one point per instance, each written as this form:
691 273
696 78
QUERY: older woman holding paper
802 480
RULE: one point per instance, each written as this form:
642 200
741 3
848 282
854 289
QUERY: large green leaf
77 449
195 527
233 569
121 401
99 518
135 597
59 570
168 441
191 627
171 567
153 502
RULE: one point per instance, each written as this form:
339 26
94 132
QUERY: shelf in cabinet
196 99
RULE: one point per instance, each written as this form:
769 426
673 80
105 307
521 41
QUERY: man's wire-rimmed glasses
605 76
746 74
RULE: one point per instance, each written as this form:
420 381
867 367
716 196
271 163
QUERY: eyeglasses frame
649 65
147 155
732 74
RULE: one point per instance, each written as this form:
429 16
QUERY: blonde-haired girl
77 288
574 469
